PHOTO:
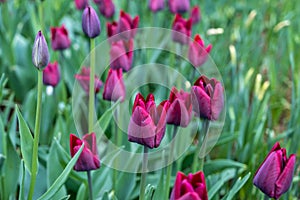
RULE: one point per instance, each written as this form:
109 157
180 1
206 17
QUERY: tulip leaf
237 186
26 141
149 191
160 187
215 188
22 186
109 196
81 192
58 183
214 166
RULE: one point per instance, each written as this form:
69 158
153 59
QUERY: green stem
90 184
169 168
92 87
117 143
144 174
34 167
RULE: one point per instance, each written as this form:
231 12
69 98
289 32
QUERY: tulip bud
90 22
107 8
40 54
84 80
179 6
114 87
198 53
81 4
156 5
195 15
275 174
126 23
59 38
121 55
51 74
182 29
88 159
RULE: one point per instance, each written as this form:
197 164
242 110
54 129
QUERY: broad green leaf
62 178
26 141
214 166
81 192
159 191
215 188
237 186
22 181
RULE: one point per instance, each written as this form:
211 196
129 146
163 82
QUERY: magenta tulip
84 80
90 22
126 23
59 38
182 29
198 53
180 110
106 7
156 5
195 14
114 87
179 6
121 55
40 52
111 29
88 159
51 74
81 4
147 124
207 98
275 174
190 187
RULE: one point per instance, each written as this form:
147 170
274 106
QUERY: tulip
207 98
156 5
126 23
198 53
121 55
180 110
182 29
106 7
147 124
195 14
40 53
114 87
59 38
190 187
88 159
51 74
90 22
111 29
84 80
81 4
275 174
179 6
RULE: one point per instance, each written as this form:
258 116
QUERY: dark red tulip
190 187
51 74
81 4
59 38
275 174
182 29
207 98
121 55
147 124
40 52
84 80
179 6
90 22
156 5
112 28
195 14
106 7
114 87
126 23
198 53
88 159
180 110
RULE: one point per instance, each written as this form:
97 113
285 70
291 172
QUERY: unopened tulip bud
40 53
90 22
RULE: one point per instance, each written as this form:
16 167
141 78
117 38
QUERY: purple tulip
40 53
126 23
114 87
88 159
182 29
90 22
190 187
84 80
106 7
207 98
195 14
51 74
121 55
147 124
275 174
59 38
179 6
156 5
81 4
180 110
198 53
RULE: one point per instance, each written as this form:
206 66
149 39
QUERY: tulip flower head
179 6
195 14
180 110
126 23
147 124
156 5
182 29
106 7
114 87
207 98
40 53
112 29
88 159
275 174
90 22
190 187
81 4
59 38
121 55
51 74
198 53
84 80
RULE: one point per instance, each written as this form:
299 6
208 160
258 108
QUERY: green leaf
26 141
109 196
62 178
214 166
23 171
215 188
160 187
237 186
81 192
149 191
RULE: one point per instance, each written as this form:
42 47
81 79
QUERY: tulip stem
170 159
92 86
144 173
38 114
90 184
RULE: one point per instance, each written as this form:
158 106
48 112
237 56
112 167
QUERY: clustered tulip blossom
114 87
40 53
198 53
179 6
84 80
59 38
51 74
275 174
90 22
182 29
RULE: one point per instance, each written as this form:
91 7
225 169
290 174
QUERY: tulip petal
201 102
190 196
217 101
